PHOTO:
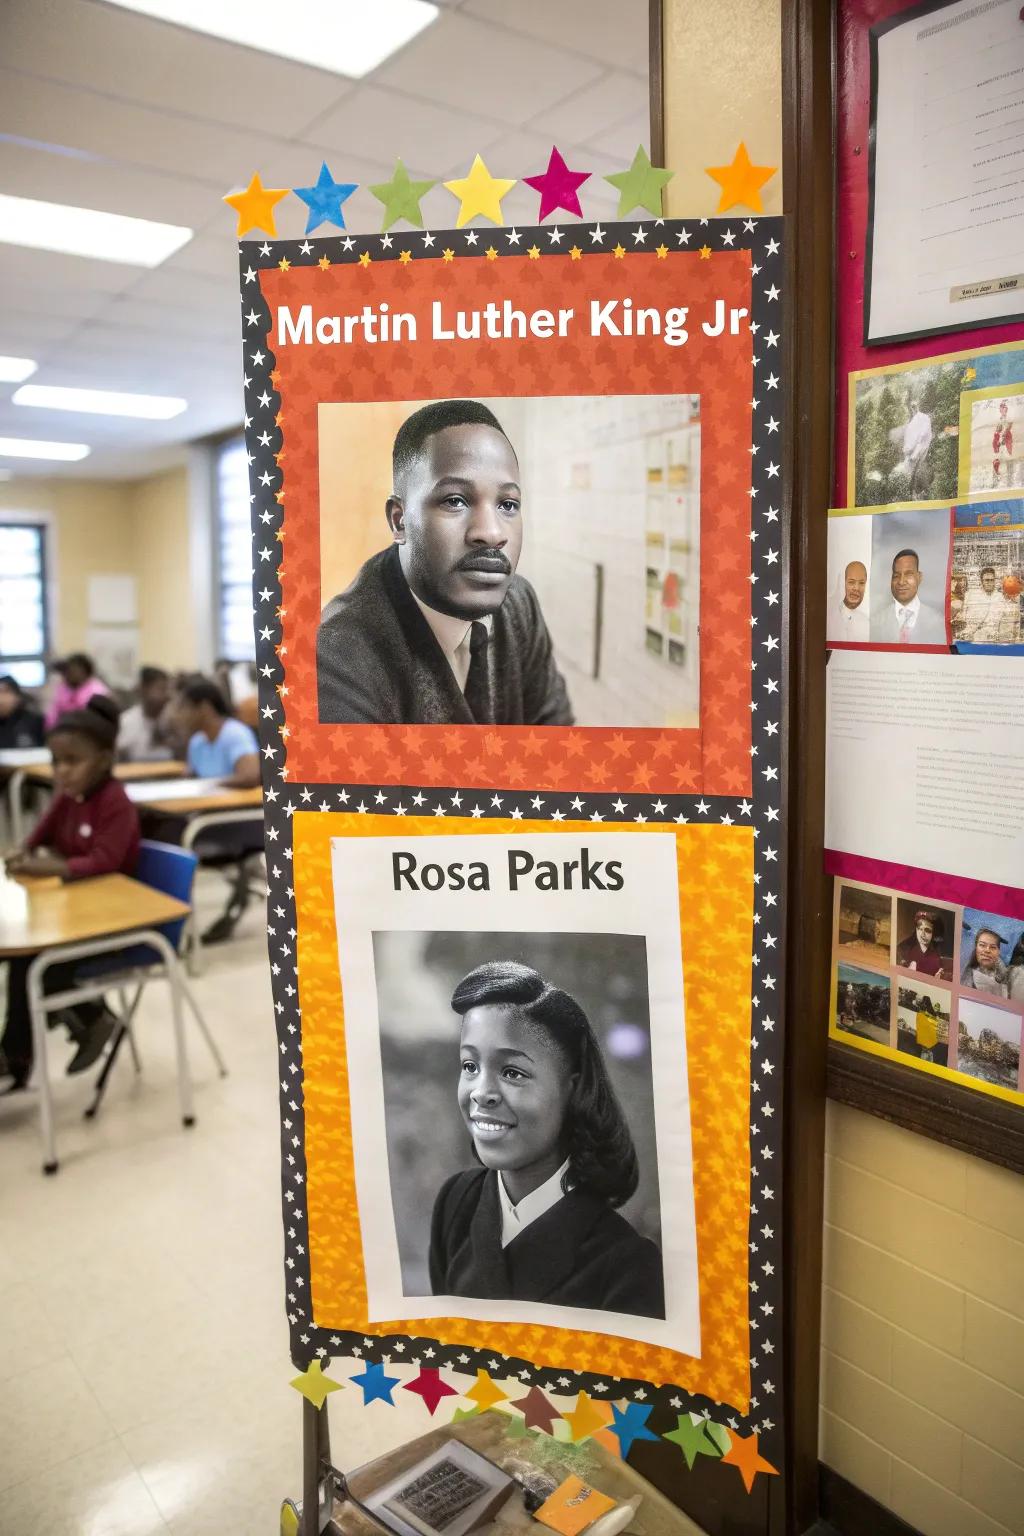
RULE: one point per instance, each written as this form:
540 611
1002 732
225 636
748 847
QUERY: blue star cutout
629 1424
325 199
375 1385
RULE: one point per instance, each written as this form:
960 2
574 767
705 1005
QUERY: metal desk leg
14 784
180 1045
37 1013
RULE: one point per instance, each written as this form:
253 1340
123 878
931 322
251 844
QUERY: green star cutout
516 1428
718 1435
692 1439
640 186
465 1413
401 197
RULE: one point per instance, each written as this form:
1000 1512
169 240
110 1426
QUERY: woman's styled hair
601 1153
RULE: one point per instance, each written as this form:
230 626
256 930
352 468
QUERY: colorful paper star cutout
430 1387
558 187
325 199
255 206
587 1417
641 185
486 1392
692 1439
376 1386
537 1412
741 182
401 197
743 1453
314 1386
630 1424
479 193
465 1413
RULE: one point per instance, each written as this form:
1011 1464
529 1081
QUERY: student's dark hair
602 1157
199 690
415 429
76 659
97 720
150 675
988 570
901 552
7 681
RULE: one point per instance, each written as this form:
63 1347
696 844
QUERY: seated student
91 828
221 747
143 736
21 724
78 684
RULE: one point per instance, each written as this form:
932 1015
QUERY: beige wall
923 1330
168 631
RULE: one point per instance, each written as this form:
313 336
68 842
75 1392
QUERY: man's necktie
478 686
904 618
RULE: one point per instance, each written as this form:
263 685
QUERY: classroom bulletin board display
372 823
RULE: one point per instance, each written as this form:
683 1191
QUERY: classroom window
24 640
235 638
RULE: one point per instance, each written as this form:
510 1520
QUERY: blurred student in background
77 684
21 724
144 735
91 828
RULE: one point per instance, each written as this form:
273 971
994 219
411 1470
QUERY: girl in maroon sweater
91 828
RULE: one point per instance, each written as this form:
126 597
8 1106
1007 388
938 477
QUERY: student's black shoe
94 1038
221 930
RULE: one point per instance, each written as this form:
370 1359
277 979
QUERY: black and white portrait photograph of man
523 561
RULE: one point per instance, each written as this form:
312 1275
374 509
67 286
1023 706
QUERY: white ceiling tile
501 75
621 140
426 136
108 50
579 118
615 31
51 269
105 186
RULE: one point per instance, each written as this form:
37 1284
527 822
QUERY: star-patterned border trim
762 809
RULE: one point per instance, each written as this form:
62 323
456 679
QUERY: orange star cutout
744 1455
324 263
705 253
491 253
661 252
486 1392
405 257
364 259
618 252
741 182
448 255
534 253
575 253
255 206
587 1417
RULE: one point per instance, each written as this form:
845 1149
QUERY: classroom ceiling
109 110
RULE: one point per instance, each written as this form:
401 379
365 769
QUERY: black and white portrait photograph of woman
520 1118
536 1217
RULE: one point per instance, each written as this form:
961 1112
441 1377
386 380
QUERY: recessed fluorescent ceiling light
347 37
31 448
88 232
14 369
101 402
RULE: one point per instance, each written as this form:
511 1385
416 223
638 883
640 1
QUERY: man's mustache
485 560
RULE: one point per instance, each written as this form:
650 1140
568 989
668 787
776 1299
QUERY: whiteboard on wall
112 599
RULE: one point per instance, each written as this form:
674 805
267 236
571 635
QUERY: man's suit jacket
379 663
579 1253
930 628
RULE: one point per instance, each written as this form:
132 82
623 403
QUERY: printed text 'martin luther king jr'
501 322
521 872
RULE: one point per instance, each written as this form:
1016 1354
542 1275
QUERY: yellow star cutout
575 252
448 255
405 257
741 181
314 1386
661 252
285 264
255 206
705 253
324 263
479 193
534 253
619 252
587 1417
491 253
364 260
486 1392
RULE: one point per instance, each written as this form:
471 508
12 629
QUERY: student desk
15 763
36 767
44 916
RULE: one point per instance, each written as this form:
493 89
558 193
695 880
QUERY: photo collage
932 984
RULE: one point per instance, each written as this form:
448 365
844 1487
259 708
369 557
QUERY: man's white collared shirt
515 1218
452 635
907 613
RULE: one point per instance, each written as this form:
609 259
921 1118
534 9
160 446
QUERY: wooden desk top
36 914
147 797
128 773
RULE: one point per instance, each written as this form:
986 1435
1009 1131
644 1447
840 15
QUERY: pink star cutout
557 187
430 1387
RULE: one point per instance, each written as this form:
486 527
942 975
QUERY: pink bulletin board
853 116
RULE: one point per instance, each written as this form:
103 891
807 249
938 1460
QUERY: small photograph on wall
517 561
925 938
988 1043
863 925
992 441
910 578
863 1003
850 587
986 606
992 955
922 1021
